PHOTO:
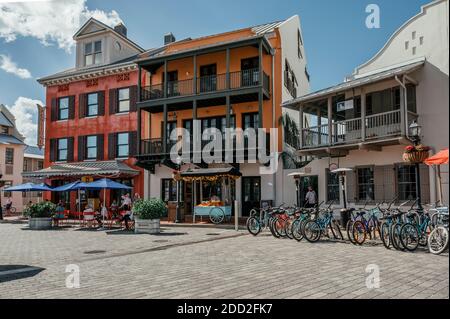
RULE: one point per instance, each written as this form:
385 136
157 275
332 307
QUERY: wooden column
165 79
363 114
164 137
139 137
260 92
330 120
194 78
403 114
139 83
228 69
319 126
301 124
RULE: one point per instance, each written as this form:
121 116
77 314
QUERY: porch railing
376 126
206 84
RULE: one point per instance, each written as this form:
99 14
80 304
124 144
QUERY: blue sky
335 37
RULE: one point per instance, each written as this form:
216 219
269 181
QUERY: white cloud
49 21
25 112
10 66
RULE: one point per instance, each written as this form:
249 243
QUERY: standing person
310 198
8 205
137 197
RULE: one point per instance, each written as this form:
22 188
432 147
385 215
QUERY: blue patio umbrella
29 187
74 186
104 184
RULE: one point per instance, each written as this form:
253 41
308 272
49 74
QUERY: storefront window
169 190
406 180
333 186
365 183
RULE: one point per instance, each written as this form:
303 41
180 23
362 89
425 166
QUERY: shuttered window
92 104
123 144
91 147
9 156
124 100
63 147
63 108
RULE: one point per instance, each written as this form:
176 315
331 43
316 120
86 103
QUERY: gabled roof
4 121
33 151
386 73
104 27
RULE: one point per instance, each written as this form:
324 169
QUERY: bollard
236 214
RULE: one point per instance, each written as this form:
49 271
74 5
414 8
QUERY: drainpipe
274 176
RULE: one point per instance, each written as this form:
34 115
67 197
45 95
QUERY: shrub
43 209
149 208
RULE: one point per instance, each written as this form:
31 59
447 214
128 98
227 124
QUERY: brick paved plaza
185 262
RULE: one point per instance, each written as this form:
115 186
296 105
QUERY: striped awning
99 168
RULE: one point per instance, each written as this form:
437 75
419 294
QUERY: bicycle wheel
385 237
438 240
279 227
296 229
288 228
216 215
395 236
272 223
359 232
312 231
12 210
336 230
409 237
348 230
253 226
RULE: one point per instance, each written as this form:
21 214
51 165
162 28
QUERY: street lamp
344 213
297 177
415 131
178 215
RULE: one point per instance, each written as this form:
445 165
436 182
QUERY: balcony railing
380 125
154 146
206 84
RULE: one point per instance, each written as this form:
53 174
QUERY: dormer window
93 53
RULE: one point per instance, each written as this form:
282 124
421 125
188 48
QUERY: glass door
251 193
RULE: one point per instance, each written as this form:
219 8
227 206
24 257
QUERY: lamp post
2 183
297 177
344 212
178 217
414 133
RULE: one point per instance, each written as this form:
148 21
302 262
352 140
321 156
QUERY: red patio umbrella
439 158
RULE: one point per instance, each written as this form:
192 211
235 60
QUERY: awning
210 174
84 169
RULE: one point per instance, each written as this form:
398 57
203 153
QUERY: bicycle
259 220
438 240
362 226
414 232
314 229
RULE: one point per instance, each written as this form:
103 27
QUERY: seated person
59 210
114 208
127 217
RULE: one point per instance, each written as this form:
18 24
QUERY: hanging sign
41 126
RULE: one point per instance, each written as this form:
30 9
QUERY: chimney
121 29
169 38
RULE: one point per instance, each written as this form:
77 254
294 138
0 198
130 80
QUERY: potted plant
147 215
416 154
40 215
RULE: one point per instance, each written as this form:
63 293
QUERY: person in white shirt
310 198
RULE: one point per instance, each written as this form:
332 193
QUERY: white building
363 122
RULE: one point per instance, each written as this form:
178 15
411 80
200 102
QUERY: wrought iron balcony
206 84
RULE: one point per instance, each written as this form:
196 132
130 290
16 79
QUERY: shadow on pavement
15 272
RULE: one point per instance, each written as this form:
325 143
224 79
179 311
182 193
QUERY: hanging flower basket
416 154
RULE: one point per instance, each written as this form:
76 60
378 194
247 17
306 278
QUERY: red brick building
91 121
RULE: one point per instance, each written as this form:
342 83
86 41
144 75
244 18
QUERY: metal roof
386 73
33 150
84 169
267 27
4 121
10 139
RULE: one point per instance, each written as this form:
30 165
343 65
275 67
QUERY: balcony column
403 114
228 86
363 115
319 126
300 120
165 79
330 120
194 78
139 84
139 137
164 131
260 91
228 104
